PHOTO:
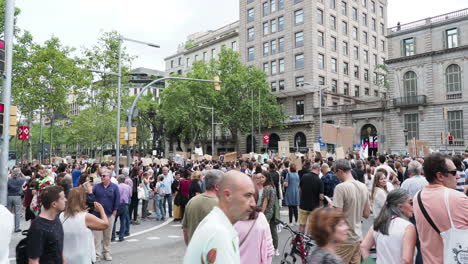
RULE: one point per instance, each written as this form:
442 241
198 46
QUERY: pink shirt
432 197
258 246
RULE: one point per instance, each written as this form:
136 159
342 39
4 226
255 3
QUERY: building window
374 24
374 42
374 58
251 33
266 48
299 16
234 45
356 91
266 28
299 81
205 58
299 36
453 79
321 80
364 3
280 4
281 85
320 16
356 71
366 75
366 56
299 107
452 38
179 61
382 45
273 86
274 27
344 27
376 93
345 48
408 47
320 39
410 84
281 65
344 8
333 65
455 124
251 53
273 67
382 29
273 46
299 61
364 19
333 22
266 67
381 11
355 33
187 62
345 68
333 43
172 64
364 37
280 23
366 91
213 53
281 45
412 126
346 89
373 6
265 8
332 4
356 52
195 58
321 61
273 5
250 14
355 14
334 86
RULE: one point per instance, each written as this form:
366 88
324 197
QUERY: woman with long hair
133 208
77 222
255 242
328 229
292 192
379 192
267 204
393 234
368 178
194 188
144 202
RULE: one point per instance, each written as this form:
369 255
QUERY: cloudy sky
78 23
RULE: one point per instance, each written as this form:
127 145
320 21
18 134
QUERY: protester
358 172
267 205
145 184
201 205
76 174
6 228
168 179
194 188
352 198
215 240
125 193
133 208
77 224
45 235
446 208
416 182
292 193
311 192
108 195
378 193
175 193
328 229
184 186
160 192
14 192
329 180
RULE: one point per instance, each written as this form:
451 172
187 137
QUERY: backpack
161 190
22 250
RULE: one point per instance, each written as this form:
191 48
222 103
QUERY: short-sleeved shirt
214 241
168 180
352 196
311 187
45 240
433 200
322 256
196 209
108 196
76 174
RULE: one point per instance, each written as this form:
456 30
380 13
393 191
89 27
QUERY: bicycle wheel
287 255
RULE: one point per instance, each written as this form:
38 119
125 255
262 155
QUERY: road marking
177 225
168 221
132 240
152 238
174 236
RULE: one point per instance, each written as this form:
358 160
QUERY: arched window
410 84
300 140
453 79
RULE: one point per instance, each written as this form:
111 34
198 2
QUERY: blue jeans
159 207
15 202
122 214
168 198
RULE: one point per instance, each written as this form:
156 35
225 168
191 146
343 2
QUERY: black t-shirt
276 179
359 175
311 188
45 240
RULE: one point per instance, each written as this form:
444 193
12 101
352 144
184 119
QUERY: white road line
152 238
168 221
179 225
174 236
132 240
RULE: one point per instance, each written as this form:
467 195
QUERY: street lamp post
143 90
212 128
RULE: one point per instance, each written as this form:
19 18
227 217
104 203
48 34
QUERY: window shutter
459 37
444 39
415 46
402 48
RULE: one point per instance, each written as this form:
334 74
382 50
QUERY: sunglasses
454 172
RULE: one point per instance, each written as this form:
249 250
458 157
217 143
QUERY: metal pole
252 135
261 141
41 143
212 133
320 112
6 93
117 138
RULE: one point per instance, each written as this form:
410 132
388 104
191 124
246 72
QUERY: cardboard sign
418 149
245 156
164 162
283 149
338 135
156 161
324 154
339 153
296 160
183 154
146 161
329 133
123 160
316 146
207 157
230 156
179 159
199 151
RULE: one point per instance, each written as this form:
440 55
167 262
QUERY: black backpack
22 250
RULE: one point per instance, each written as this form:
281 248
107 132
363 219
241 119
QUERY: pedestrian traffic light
123 138
217 85
450 139
132 136
13 120
2 56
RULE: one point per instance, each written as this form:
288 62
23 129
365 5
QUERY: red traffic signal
450 140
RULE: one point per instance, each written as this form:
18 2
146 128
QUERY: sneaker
277 253
17 230
107 257
137 222
121 240
127 234
112 239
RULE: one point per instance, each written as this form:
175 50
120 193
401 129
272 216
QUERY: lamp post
212 128
143 90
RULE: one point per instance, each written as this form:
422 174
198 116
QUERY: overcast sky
78 23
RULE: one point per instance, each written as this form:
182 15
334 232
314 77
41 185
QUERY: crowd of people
229 211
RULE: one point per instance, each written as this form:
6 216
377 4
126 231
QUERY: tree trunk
29 140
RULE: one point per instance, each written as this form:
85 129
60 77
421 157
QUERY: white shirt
6 228
380 196
387 168
78 239
390 247
414 184
168 180
215 241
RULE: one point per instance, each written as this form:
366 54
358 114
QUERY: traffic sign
23 133
266 138
320 141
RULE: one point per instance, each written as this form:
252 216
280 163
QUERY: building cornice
426 54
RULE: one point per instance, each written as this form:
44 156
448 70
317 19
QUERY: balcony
409 101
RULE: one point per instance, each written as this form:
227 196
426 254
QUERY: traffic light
2 56
217 85
123 138
13 120
450 139
132 136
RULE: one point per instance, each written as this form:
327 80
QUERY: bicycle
300 246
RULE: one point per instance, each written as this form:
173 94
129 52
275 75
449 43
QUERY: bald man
215 240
